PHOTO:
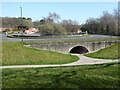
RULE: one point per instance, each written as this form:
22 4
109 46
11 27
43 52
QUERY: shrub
16 29
59 29
48 28
7 30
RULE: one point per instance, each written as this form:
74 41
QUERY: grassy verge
88 76
70 41
45 37
11 36
77 36
14 53
2 32
111 52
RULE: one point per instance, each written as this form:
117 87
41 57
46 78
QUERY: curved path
4 38
82 61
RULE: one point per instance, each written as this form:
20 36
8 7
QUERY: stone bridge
74 47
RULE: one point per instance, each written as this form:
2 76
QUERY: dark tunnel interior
79 50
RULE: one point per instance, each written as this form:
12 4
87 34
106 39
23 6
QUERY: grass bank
111 52
14 53
70 41
87 76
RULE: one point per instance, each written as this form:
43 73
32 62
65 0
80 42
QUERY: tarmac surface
4 38
83 60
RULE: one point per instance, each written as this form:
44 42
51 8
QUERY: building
31 31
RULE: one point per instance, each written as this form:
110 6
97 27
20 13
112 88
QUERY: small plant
6 30
16 29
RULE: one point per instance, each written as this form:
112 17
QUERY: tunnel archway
79 50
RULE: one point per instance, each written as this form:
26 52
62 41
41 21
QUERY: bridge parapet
66 47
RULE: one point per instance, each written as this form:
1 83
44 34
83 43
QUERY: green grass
8 33
70 41
44 37
14 53
68 36
11 36
111 52
2 32
87 76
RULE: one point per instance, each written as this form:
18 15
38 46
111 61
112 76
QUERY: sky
79 11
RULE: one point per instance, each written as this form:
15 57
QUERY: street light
21 24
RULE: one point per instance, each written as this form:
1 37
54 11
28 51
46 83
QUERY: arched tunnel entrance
79 50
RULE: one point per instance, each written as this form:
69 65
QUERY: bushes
16 29
59 29
48 28
28 24
7 30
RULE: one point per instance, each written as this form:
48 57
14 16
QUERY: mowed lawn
87 76
14 53
111 52
52 37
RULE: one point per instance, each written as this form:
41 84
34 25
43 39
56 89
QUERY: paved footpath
82 61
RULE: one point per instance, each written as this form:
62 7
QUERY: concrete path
82 61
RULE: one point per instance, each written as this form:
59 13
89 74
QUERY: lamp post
21 24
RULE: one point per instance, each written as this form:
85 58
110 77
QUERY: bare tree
52 18
106 24
71 26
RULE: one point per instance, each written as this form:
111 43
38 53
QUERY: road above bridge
4 38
